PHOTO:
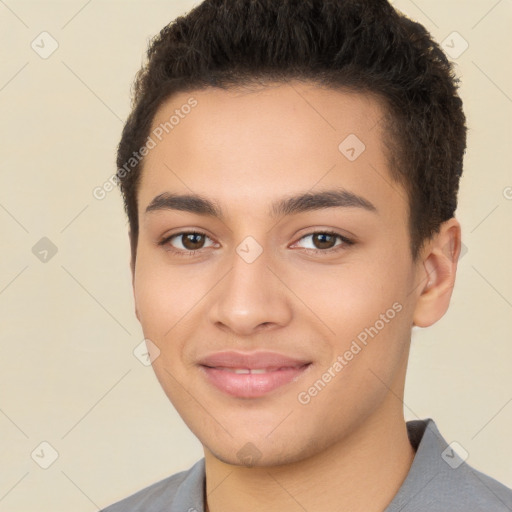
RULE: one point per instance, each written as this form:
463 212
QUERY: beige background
68 375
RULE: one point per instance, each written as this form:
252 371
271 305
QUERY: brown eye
192 241
324 240
186 242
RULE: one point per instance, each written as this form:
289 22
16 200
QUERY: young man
290 174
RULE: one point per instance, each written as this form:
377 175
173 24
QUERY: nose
250 298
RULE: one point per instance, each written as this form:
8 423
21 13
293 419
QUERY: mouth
251 375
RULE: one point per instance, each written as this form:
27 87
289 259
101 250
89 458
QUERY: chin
262 453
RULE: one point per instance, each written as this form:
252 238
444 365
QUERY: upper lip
251 360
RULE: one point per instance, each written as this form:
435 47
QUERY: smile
250 375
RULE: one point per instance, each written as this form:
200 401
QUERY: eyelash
178 252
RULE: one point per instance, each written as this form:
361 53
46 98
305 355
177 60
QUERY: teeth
246 371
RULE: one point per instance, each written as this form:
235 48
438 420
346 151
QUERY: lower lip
248 385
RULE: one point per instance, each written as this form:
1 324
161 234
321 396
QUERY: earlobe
437 271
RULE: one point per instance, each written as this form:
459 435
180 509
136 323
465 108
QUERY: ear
133 250
437 267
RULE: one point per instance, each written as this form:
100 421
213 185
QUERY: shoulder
441 479
476 491
161 495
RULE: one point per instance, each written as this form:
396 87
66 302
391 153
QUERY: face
279 295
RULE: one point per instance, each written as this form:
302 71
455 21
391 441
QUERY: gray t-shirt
438 481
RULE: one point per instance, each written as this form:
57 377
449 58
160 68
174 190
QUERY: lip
272 371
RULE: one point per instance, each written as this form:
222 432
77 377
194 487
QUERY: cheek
154 301
169 300
349 297
163 295
164 299
364 307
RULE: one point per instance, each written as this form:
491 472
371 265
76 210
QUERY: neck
361 472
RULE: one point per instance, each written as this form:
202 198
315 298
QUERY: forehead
255 145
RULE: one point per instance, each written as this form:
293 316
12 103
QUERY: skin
244 150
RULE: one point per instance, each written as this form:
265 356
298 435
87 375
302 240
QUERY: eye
325 242
186 242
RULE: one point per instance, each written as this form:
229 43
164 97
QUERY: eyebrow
308 201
